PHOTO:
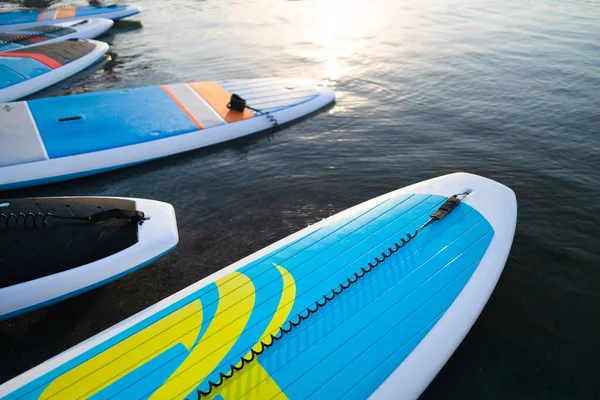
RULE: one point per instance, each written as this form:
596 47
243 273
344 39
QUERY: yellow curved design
286 302
236 302
254 382
182 326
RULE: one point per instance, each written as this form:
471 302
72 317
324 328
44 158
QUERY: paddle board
358 305
29 37
26 18
53 248
61 138
29 70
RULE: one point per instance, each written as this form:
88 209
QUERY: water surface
509 90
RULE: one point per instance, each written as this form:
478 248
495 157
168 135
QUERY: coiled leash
41 220
237 103
450 204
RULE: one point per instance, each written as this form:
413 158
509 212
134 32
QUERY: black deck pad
31 249
63 52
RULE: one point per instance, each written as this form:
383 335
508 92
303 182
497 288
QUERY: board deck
84 134
47 258
10 20
45 34
26 71
307 317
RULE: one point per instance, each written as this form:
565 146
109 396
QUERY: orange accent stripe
37 39
176 100
66 12
38 57
39 18
218 98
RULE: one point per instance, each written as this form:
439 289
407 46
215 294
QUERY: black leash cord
445 209
40 220
237 103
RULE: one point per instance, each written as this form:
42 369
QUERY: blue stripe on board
90 11
9 47
26 67
18 17
8 77
107 120
147 377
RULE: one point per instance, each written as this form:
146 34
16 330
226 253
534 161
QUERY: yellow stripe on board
286 302
236 302
83 381
254 382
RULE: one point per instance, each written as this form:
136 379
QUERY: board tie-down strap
446 208
450 204
238 103
41 220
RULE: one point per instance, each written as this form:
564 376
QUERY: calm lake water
506 89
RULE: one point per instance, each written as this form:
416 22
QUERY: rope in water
444 210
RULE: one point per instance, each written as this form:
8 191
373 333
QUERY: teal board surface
91 11
29 16
89 122
14 70
18 17
346 349
8 77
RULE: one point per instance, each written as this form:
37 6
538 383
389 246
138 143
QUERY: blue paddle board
26 18
45 34
59 138
26 70
370 302
53 248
